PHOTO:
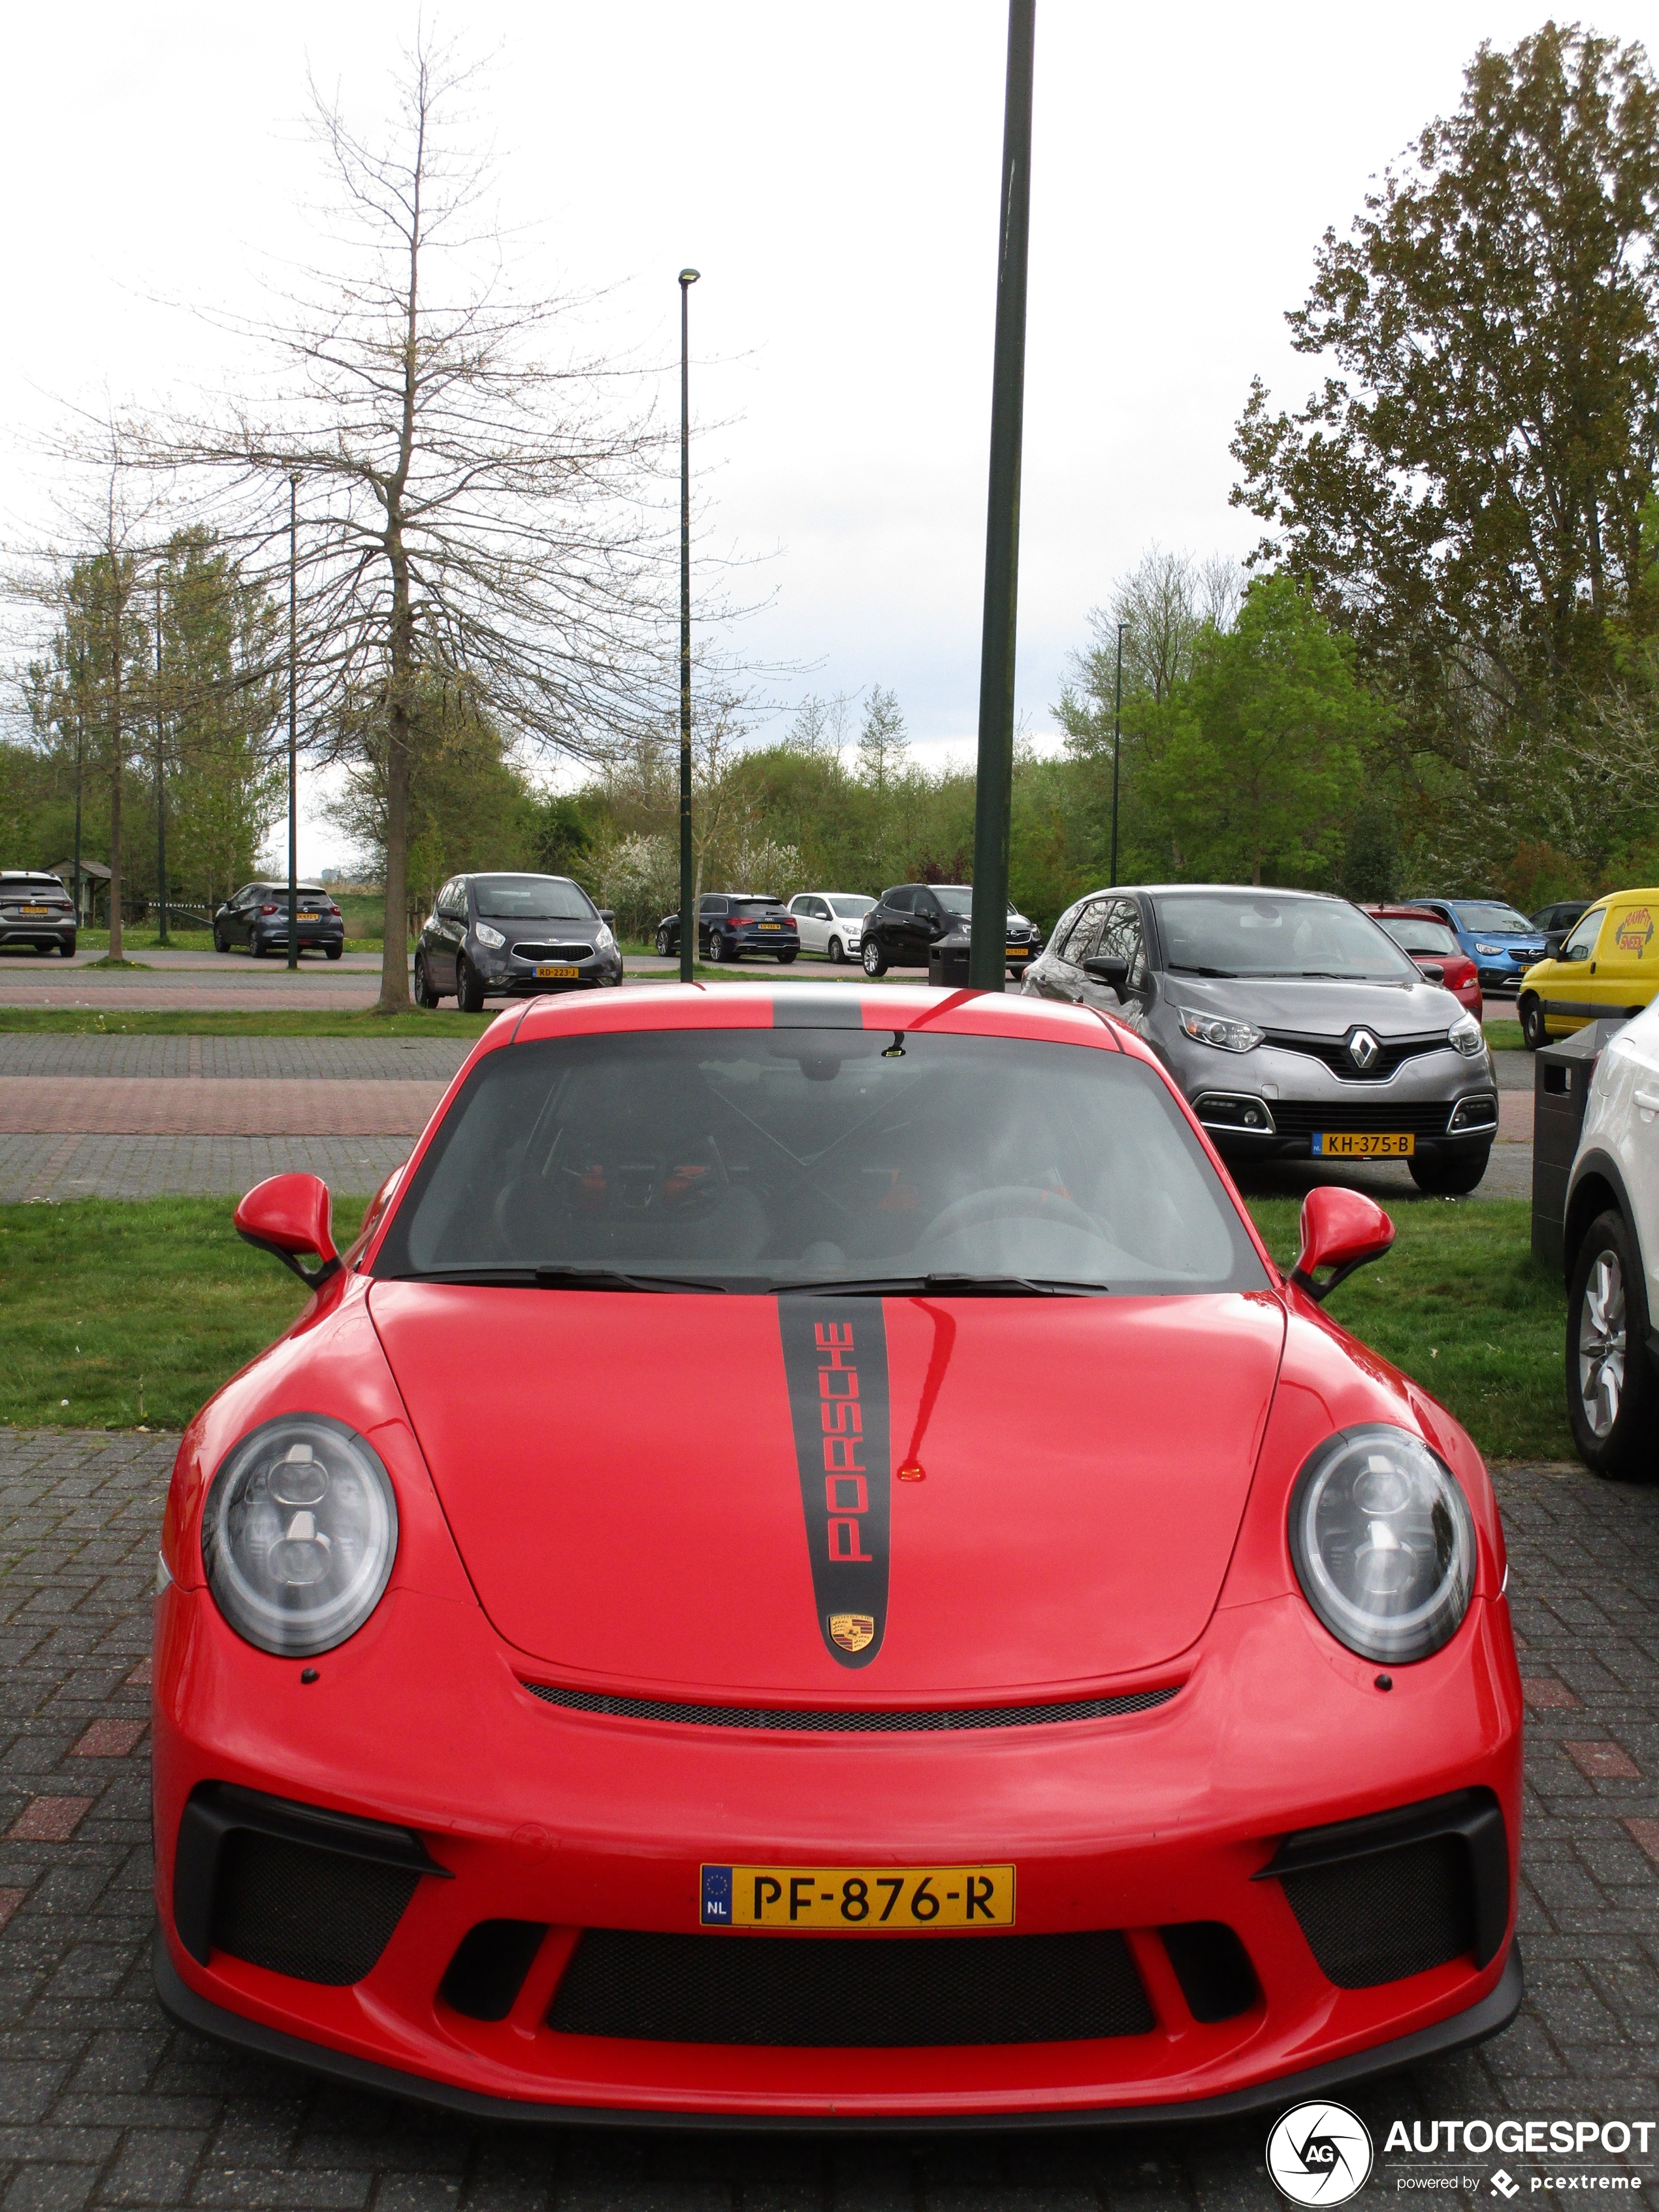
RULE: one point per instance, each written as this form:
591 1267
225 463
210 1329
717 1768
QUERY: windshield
851 907
531 898
747 908
1275 934
1430 937
1487 913
772 1160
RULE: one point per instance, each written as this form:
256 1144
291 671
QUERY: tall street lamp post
987 955
161 778
687 919
293 721
1117 740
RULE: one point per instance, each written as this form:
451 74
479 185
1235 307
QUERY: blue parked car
1502 943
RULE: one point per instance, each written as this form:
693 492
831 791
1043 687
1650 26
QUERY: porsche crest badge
852 1630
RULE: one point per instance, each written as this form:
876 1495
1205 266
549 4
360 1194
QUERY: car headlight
1217 1029
1466 1035
486 935
603 940
1383 1543
299 1534
1491 951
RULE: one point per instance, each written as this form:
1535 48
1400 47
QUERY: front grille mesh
568 953
876 1992
847 1721
1389 1914
318 1915
1348 1116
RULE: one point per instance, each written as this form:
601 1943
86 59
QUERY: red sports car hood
732 1498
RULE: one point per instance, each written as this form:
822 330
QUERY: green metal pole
987 956
688 872
161 778
1117 742
293 722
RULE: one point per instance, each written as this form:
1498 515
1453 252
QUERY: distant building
94 884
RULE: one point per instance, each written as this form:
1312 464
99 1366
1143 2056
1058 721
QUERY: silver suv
36 910
1295 1026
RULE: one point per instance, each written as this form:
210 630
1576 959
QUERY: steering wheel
1008 1202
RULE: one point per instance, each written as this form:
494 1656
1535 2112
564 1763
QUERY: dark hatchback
910 919
257 917
493 937
36 910
732 923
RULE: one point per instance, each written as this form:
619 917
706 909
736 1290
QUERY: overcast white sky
833 172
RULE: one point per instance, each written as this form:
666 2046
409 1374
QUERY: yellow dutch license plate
858 1900
557 975
34 912
1337 1144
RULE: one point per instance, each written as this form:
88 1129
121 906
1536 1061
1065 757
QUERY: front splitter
1489 2017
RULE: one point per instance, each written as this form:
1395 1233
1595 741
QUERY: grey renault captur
1295 1026
505 936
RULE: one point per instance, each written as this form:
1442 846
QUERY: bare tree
469 513
1161 604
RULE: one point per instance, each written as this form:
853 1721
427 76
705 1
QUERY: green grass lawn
138 1310
210 1021
1504 1036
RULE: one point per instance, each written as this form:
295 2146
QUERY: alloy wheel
1602 1344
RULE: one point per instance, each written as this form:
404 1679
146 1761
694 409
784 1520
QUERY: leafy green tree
1258 753
1464 490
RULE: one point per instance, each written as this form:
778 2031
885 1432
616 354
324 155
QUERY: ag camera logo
1319 2154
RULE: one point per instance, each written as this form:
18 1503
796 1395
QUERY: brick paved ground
251 1059
103 2105
65 1167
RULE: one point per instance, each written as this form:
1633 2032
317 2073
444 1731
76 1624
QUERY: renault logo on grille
1363 1048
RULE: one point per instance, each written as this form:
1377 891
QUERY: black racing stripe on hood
835 1359
817 1006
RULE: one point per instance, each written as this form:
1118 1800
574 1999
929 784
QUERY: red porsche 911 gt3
808 1567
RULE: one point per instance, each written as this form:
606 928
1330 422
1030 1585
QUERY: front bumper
1503 973
506 975
573 1821
1271 1104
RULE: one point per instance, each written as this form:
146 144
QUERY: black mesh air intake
855 1720
1389 1914
881 1992
314 1914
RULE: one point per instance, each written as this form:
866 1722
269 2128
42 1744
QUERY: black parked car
508 936
906 922
1558 921
732 923
258 918
36 910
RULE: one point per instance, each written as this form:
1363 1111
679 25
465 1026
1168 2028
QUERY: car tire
425 996
665 946
1454 1177
219 942
1613 1392
256 948
66 946
334 951
469 986
837 953
874 961
716 947
784 958
1531 1011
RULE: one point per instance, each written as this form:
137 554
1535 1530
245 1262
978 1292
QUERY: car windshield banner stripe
835 1357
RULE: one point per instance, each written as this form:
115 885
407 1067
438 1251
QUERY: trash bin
1561 1083
947 964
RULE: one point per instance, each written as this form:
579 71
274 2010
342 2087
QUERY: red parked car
808 1566
1435 951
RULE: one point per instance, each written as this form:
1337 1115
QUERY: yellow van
1609 964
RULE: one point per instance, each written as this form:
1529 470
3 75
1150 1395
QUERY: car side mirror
1433 971
608 916
288 1214
1109 967
1341 1230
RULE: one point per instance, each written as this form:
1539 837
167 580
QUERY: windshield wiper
951 1285
1225 974
562 1277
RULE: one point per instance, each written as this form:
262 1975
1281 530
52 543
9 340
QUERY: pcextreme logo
1319 2154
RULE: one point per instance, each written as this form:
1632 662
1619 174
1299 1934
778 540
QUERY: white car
1613 1259
831 922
